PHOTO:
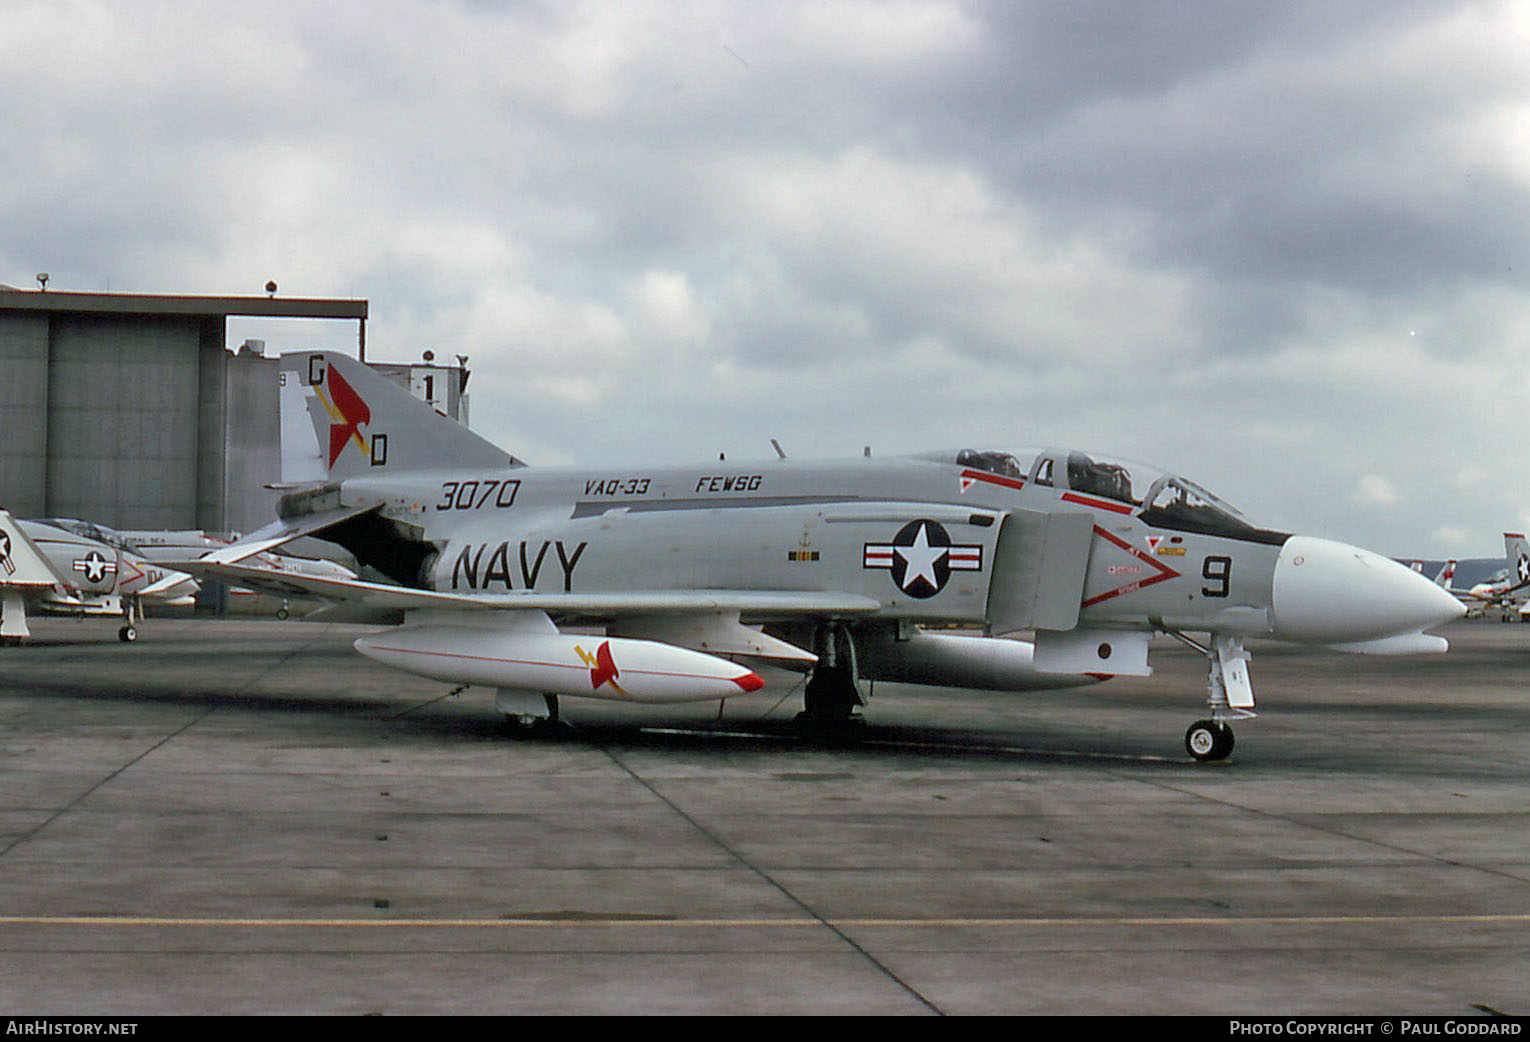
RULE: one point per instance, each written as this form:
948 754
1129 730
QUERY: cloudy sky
1280 248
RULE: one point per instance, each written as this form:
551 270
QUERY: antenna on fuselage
780 452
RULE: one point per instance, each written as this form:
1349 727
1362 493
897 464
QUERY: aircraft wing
752 603
1467 596
1514 593
1503 595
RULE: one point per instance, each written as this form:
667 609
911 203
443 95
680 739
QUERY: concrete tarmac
240 817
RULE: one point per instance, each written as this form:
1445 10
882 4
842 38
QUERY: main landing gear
527 712
1230 696
831 696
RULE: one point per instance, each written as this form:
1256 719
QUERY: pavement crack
164 740
777 885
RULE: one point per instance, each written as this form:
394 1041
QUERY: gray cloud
1276 246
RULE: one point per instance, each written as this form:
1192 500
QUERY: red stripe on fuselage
993 479
1098 504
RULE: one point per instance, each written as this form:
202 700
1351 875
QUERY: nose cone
1332 593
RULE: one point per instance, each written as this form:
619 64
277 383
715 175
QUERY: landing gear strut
13 618
831 694
1230 696
131 614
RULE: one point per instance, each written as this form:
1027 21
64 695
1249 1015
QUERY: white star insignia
920 559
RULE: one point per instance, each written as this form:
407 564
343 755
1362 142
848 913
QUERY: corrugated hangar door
23 413
122 421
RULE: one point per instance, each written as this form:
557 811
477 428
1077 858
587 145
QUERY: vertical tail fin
340 419
1447 577
1516 552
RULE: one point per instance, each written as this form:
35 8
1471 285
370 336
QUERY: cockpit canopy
1158 499
1001 463
88 530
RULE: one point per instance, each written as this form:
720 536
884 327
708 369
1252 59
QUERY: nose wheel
1208 740
1229 693
132 615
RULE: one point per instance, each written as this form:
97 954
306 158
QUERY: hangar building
129 410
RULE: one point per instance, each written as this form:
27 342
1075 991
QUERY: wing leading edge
754 603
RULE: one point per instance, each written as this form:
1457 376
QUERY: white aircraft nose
1333 593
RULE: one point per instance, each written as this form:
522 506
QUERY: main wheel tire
829 696
127 634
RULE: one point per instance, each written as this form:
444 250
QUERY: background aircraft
175 548
59 571
689 576
1508 590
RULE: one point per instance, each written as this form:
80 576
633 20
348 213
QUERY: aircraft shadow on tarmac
443 717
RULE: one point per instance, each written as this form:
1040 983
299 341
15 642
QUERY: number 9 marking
1217 569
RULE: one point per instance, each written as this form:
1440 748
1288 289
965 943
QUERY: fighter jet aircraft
1508 590
690 575
172 548
59 571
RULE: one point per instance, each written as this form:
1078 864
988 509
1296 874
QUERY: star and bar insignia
922 557
94 566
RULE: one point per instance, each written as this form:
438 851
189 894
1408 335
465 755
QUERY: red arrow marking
353 411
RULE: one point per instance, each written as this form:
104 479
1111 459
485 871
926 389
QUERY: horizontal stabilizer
277 533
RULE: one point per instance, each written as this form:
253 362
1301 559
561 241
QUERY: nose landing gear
1230 695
